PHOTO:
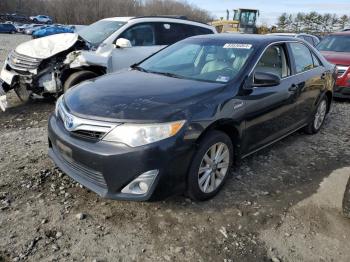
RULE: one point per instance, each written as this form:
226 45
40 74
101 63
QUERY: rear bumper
341 92
106 168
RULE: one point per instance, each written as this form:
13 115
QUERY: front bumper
341 92
106 168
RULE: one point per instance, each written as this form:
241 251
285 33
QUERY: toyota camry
177 121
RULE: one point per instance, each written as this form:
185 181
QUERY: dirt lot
281 204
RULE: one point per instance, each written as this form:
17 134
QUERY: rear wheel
346 201
77 78
210 166
319 116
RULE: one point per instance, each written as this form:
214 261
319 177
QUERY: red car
336 49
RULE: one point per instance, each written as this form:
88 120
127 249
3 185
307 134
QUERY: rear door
271 111
310 78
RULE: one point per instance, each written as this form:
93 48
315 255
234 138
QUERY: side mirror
123 43
262 79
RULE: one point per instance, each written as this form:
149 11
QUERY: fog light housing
141 184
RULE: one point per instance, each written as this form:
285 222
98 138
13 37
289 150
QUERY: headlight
58 102
141 134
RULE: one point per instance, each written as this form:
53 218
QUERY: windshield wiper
167 74
138 68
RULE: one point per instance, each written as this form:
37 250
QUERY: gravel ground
281 204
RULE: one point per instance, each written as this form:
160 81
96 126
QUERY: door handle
293 88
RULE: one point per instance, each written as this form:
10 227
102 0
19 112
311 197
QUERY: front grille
22 62
89 134
341 70
85 128
84 172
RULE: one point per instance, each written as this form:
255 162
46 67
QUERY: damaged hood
134 95
47 46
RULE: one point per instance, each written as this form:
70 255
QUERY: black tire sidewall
211 138
77 78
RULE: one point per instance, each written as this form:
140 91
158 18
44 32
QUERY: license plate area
65 151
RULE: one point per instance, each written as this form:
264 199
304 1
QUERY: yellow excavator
244 21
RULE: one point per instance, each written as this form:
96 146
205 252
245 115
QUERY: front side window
335 43
274 60
97 32
140 35
198 59
302 57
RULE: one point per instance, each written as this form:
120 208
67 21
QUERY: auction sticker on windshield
238 46
6 76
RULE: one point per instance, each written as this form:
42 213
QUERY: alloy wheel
214 167
320 114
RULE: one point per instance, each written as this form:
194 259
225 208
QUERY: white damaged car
50 65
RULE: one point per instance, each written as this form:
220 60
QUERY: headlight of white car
141 134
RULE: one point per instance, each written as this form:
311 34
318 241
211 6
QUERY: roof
341 33
284 34
119 19
169 19
246 38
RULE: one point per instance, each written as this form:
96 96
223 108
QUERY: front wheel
210 166
318 118
77 78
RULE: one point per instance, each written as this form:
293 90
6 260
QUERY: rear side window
316 60
170 33
309 40
302 57
316 41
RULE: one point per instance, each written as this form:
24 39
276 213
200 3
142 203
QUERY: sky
270 10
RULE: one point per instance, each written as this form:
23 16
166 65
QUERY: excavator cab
247 20
244 21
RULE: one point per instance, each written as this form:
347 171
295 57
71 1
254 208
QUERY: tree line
89 11
312 22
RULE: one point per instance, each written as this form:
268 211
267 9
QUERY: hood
48 46
137 96
337 58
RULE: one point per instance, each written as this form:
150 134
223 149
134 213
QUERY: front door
271 111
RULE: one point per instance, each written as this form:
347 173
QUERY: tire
318 117
35 20
200 182
77 78
346 201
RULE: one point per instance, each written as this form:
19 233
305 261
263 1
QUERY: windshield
199 59
97 32
335 43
